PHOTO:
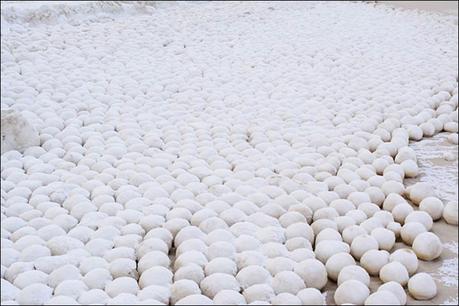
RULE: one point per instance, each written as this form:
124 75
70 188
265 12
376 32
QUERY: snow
180 135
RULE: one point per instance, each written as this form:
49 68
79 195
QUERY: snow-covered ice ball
353 272
450 213
420 217
150 259
374 260
122 285
421 286
433 206
279 264
190 257
361 244
221 265
93 296
183 288
351 291
229 297
191 271
251 275
217 282
311 296
427 246
337 262
394 271
156 275
285 298
396 289
382 297
420 191
71 288
410 231
35 294
195 299
384 237
97 278
287 281
259 292
161 294
313 273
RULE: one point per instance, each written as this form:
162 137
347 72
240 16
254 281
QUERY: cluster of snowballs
225 153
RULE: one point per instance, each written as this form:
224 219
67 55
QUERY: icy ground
192 151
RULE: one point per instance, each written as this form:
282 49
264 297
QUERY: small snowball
287 281
351 291
313 273
384 237
427 246
217 282
410 231
450 213
353 272
36 294
374 260
327 248
362 244
252 275
337 262
122 285
396 289
433 206
260 292
183 288
422 286
311 296
229 297
407 258
195 299
382 297
285 299
420 191
421 217
394 271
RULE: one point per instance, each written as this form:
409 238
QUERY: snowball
72 288
362 244
433 206
353 272
260 292
285 299
287 281
195 299
61 300
422 287
384 237
93 296
311 296
394 271
396 289
382 297
337 262
410 231
153 258
252 275
427 246
36 294
156 275
229 297
161 294
421 217
450 213
325 249
17 132
374 260
191 271
279 264
419 192
351 291
217 282
122 285
313 273
183 288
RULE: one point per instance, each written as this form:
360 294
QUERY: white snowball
217 282
420 191
374 260
382 297
351 291
422 286
252 275
195 299
72 288
221 265
362 244
433 206
421 217
93 296
325 249
396 289
122 285
313 273
353 272
260 292
450 213
287 281
394 271
337 262
406 257
62 300
384 237
279 264
229 297
410 231
36 294
285 299
183 288
311 296
427 246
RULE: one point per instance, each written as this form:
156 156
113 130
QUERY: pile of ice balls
223 153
